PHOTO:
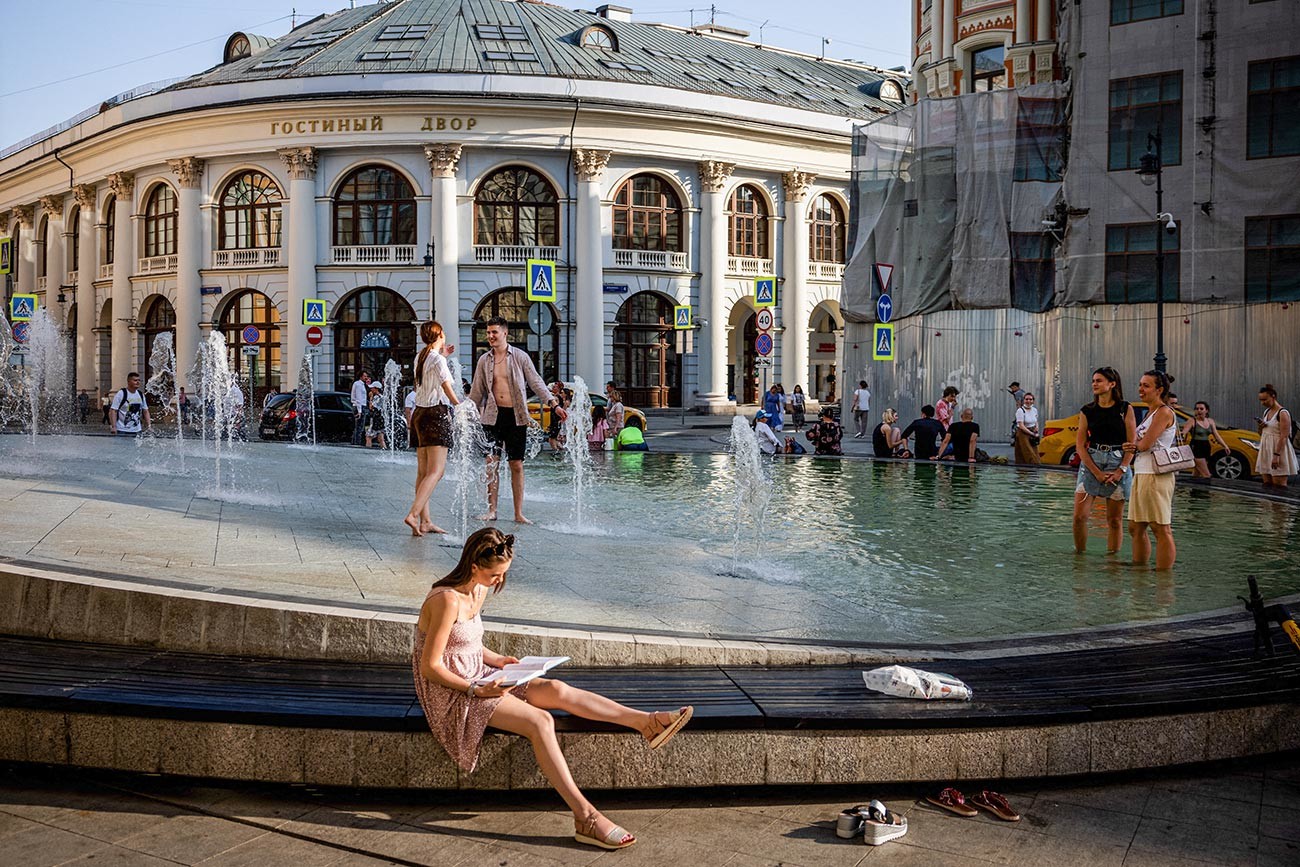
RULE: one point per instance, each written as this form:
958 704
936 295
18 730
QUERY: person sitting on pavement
927 432
826 434
631 438
962 435
767 440
885 437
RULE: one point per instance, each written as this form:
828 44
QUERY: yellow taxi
1237 462
542 415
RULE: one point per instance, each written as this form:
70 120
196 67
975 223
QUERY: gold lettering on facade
374 123
327 126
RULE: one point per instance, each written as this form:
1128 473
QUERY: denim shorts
1106 459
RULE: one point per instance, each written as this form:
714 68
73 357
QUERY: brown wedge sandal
585 832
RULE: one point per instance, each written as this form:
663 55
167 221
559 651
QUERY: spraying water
753 487
465 462
44 384
218 407
576 451
304 402
390 409
8 376
162 385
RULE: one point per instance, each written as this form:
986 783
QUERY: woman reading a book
463 690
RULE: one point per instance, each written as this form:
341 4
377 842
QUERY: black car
334 418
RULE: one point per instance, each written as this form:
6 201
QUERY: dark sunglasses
502 548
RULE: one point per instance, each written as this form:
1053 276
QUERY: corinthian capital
301 162
797 184
590 164
52 206
188 171
85 195
23 214
714 175
443 157
122 184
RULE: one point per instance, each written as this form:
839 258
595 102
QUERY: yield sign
883 273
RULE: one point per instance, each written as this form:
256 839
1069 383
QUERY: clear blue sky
57 53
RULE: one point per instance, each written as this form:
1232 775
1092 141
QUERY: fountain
465 463
390 408
304 402
752 491
162 385
39 391
213 382
576 428
8 376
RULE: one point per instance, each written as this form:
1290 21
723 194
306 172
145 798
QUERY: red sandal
995 804
954 802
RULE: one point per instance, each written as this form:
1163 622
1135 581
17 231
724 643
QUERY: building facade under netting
407 160
1025 242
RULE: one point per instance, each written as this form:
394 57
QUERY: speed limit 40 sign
765 320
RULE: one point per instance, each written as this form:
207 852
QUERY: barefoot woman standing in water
430 425
450 659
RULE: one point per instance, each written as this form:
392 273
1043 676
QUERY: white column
189 259
55 244
589 289
1044 32
301 255
87 345
939 30
1022 20
443 158
713 274
24 218
794 301
120 337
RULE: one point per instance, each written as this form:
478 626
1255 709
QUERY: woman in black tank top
1105 425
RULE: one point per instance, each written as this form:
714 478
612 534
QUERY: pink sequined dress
457 720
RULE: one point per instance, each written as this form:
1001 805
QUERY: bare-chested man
501 379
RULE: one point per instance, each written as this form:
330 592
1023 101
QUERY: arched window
110 228
826 232
647 216
512 305
374 325
74 240
599 37
748 223
160 222
516 207
645 352
44 235
251 307
374 207
250 213
161 319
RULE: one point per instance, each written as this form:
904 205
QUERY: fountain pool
851 550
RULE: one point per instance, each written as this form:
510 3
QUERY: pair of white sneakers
874 821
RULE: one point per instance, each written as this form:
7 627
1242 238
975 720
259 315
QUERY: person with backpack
129 409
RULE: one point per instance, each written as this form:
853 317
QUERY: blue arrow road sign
884 308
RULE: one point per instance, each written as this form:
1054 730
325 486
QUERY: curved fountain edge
38 600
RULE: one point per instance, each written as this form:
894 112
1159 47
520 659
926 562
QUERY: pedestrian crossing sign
883 342
6 255
541 280
313 311
765 292
22 308
681 317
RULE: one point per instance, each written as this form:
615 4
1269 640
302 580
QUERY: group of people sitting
824 435
933 438
608 423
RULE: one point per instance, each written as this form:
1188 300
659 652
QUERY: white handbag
1172 459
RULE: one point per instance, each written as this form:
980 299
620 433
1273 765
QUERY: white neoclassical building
405 160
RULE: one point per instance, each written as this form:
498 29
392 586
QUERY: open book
522 671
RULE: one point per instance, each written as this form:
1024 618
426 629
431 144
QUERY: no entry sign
251 334
315 335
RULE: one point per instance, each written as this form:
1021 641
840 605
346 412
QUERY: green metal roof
545 40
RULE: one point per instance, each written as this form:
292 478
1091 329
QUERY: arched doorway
825 351
742 358
261 370
159 318
646 366
373 325
104 347
513 306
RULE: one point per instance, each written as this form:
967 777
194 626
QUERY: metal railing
513 255
650 260
158 264
393 254
260 257
749 267
826 271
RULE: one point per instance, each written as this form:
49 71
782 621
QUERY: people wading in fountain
555 427
1276 461
450 665
600 430
1201 428
501 379
1151 505
128 408
927 430
632 437
430 424
1105 425
360 396
615 415
375 416
1027 433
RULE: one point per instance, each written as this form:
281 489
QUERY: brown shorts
431 426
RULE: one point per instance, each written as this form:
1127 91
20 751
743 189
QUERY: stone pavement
1239 815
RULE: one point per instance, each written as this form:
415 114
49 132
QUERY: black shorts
507 436
431 426
1201 449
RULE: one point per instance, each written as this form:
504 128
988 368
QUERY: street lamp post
428 263
1151 171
